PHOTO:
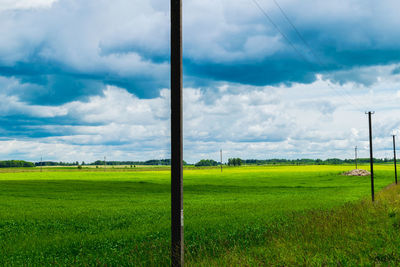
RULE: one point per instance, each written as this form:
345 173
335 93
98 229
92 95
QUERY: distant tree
334 161
206 162
235 162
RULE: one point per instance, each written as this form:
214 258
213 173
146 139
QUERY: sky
80 80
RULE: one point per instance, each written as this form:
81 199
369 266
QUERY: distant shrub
79 166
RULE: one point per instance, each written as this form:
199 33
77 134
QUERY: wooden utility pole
104 163
394 158
371 157
221 158
355 156
177 251
41 163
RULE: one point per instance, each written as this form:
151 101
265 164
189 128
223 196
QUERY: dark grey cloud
74 49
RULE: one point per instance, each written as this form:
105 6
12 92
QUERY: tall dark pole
221 158
41 163
371 157
394 157
104 163
177 252
355 156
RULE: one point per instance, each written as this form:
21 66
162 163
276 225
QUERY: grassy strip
362 233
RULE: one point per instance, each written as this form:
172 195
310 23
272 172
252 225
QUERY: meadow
253 215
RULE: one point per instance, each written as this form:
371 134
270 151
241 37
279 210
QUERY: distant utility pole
104 163
371 157
394 157
177 252
221 158
355 155
41 163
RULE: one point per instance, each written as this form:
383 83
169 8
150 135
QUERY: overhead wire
320 62
279 30
347 97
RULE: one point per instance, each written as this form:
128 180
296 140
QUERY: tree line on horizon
203 162
15 164
108 163
211 162
331 161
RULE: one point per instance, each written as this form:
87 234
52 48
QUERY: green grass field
243 216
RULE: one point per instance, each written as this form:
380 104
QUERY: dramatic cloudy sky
80 80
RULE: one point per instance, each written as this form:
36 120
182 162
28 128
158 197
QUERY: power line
279 30
319 61
297 32
349 99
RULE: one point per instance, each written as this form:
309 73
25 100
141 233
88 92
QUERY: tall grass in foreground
362 233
